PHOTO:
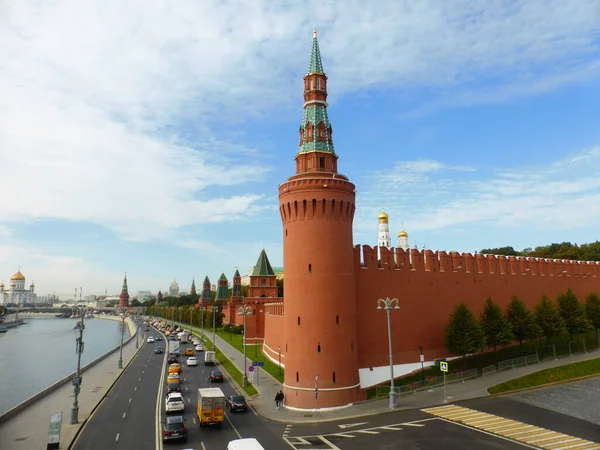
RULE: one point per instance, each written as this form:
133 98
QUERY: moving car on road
174 429
199 348
150 339
173 386
174 403
236 403
159 351
172 359
192 361
189 352
173 377
245 444
174 368
216 376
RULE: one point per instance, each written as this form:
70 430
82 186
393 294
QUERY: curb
541 386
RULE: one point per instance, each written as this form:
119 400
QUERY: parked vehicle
236 403
173 428
209 358
216 376
174 403
245 444
211 402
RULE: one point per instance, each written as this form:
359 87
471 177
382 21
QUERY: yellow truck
211 406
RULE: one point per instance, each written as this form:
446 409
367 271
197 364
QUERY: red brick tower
124 297
317 208
193 289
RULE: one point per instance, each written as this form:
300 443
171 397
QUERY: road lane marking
202 444
194 420
117 438
350 425
188 400
233 426
529 435
124 414
129 400
139 379
333 447
135 388
342 435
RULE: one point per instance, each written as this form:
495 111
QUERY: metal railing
545 353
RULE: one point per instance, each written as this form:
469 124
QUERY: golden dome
402 234
383 215
18 277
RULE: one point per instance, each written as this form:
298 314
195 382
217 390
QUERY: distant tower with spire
222 290
236 291
193 288
159 297
206 296
384 239
124 297
317 206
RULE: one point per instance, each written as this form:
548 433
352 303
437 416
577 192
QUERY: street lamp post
422 366
388 305
120 363
137 333
214 325
77 379
244 311
279 350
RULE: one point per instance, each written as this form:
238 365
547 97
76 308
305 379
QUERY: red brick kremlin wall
430 289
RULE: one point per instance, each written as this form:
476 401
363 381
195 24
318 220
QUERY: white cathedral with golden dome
384 239
16 293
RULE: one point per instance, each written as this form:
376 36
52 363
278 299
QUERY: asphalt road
415 429
125 419
236 425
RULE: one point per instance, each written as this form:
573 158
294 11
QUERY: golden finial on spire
314 34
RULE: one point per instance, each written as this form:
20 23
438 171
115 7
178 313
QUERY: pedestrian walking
277 399
281 397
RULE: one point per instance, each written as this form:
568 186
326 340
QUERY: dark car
236 403
173 428
172 359
173 386
158 338
159 351
215 377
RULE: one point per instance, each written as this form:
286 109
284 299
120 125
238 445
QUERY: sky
149 138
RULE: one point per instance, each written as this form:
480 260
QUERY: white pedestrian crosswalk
513 430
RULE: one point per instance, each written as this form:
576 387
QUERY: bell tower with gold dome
384 239
317 207
403 240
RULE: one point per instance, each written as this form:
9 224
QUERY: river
41 352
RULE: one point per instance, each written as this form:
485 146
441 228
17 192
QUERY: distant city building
16 292
174 289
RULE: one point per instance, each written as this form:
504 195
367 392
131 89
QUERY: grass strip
547 376
253 352
228 365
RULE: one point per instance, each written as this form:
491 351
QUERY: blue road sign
258 363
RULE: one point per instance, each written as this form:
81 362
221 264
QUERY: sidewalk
28 429
264 403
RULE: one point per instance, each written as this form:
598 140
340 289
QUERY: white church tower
403 240
384 239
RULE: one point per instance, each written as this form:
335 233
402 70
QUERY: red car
215 377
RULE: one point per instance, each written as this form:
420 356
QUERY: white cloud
117 112
563 195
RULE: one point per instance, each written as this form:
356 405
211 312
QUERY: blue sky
148 139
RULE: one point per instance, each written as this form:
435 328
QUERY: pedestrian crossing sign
443 366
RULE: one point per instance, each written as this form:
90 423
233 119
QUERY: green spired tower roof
315 65
222 288
263 266
315 112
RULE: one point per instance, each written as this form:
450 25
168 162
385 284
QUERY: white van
245 444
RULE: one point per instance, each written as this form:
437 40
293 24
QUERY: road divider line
117 438
135 388
129 400
233 426
124 414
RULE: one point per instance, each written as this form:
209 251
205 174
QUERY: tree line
565 250
465 335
